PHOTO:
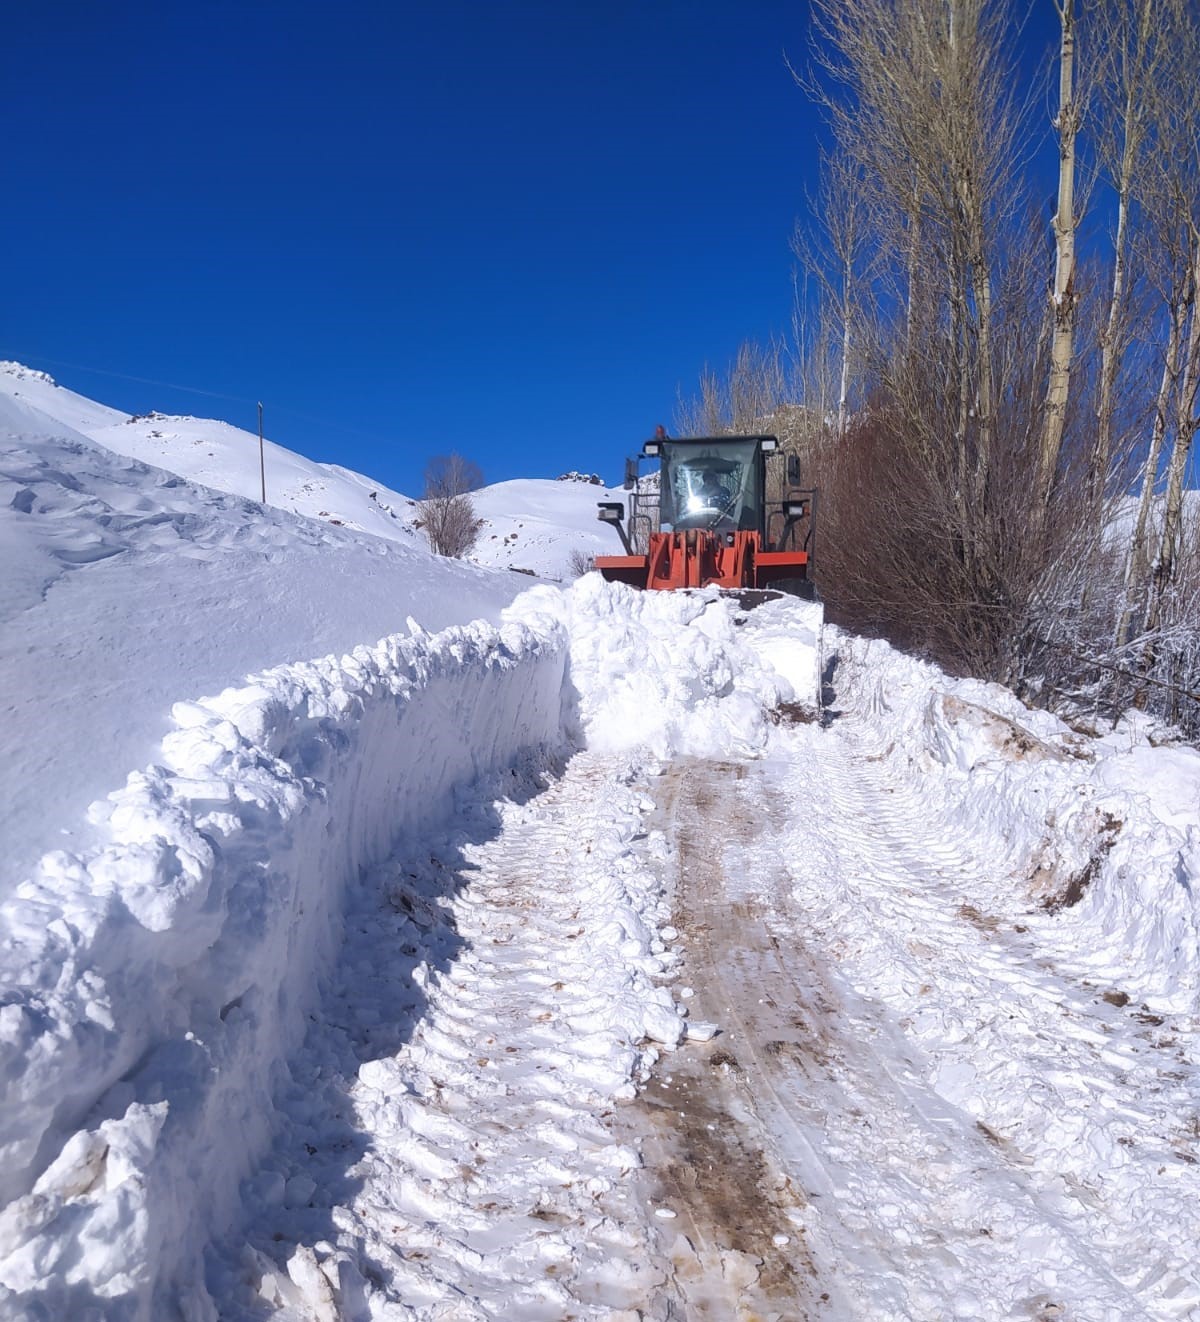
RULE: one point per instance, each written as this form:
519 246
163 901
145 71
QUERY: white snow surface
531 525
538 526
126 587
317 1011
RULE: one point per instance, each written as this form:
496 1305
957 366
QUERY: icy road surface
917 1105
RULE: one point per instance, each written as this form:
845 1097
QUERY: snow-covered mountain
532 524
348 893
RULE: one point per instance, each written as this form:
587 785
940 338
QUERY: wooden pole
262 463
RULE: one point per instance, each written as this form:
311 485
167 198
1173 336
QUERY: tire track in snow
1094 1102
444 1152
922 1083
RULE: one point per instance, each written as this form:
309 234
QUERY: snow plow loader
709 521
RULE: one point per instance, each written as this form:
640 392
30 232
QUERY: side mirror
795 509
793 470
631 474
611 511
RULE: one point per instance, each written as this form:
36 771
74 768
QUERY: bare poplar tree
925 110
1172 240
1062 294
833 250
1131 56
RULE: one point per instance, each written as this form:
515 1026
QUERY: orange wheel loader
709 521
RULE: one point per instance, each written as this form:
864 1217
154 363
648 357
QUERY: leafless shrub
447 512
580 563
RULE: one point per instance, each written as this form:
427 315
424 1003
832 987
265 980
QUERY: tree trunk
1062 299
986 421
844 384
1185 431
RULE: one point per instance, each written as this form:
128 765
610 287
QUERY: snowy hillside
531 525
217 455
556 954
125 588
188 590
537 525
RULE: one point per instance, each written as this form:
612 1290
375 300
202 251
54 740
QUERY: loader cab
711 483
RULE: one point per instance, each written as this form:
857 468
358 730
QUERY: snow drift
158 982
1102 833
680 673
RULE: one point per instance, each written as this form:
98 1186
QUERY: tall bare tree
1132 53
833 249
1062 293
1171 245
922 102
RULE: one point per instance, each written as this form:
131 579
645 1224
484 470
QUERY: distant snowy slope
37 390
536 524
126 588
530 524
221 456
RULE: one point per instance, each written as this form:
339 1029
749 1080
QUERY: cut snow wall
162 981
1112 819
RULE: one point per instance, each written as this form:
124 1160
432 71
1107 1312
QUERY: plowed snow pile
335 1009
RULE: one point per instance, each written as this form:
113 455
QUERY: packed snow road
445 1152
570 969
915 1108
916 1105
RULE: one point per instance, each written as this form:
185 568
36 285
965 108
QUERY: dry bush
912 550
580 563
447 512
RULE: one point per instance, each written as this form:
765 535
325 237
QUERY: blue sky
511 230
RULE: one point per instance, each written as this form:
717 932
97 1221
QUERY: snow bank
680 673
125 588
1102 834
158 982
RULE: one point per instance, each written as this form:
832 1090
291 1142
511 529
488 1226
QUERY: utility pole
262 463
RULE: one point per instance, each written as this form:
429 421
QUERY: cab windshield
714 485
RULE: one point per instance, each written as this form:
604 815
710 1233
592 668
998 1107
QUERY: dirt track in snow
834 1154
916 1108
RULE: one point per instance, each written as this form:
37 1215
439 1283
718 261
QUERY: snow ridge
1099 833
22 373
162 979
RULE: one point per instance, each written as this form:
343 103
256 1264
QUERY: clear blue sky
514 230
